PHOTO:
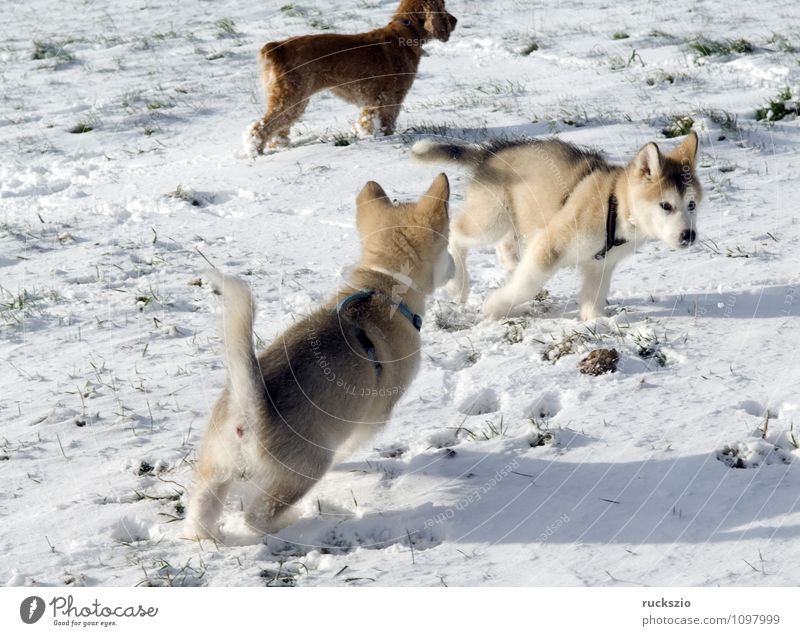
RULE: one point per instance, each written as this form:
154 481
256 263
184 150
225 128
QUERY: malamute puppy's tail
430 151
238 312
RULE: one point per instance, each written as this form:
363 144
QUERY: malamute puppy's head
664 192
407 238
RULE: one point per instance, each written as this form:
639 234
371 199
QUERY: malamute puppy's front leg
526 281
595 283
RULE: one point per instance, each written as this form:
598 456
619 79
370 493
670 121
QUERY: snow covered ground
122 170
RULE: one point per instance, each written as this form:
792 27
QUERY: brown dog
373 70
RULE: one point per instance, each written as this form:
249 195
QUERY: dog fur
315 392
554 198
372 70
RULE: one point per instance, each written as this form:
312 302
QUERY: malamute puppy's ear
647 163
686 152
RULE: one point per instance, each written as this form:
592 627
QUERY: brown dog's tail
270 53
270 57
432 152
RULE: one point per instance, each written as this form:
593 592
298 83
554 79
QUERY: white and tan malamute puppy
566 206
332 378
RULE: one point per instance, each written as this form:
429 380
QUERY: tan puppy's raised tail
238 314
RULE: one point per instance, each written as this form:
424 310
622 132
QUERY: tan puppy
567 206
372 70
331 379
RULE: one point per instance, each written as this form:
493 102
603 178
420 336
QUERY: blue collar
364 294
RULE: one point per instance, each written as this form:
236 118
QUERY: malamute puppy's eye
666 206
692 205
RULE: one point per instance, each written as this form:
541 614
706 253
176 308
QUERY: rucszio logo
31 609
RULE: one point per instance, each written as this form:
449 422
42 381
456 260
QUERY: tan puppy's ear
438 193
372 207
686 152
434 203
648 162
372 193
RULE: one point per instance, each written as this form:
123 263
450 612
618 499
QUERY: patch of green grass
677 126
448 318
344 139
540 434
165 35
502 87
529 48
568 345
725 120
47 50
55 51
620 35
490 431
648 347
705 47
778 107
782 43
314 17
225 28
515 330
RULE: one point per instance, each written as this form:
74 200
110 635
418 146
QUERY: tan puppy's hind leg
508 252
214 477
484 222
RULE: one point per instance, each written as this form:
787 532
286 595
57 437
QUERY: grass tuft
677 126
703 47
778 107
515 330
225 28
52 51
725 120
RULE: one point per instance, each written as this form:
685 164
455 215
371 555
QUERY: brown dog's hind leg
286 104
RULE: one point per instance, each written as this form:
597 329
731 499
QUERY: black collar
611 229
363 339
364 294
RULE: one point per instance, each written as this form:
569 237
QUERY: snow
503 464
